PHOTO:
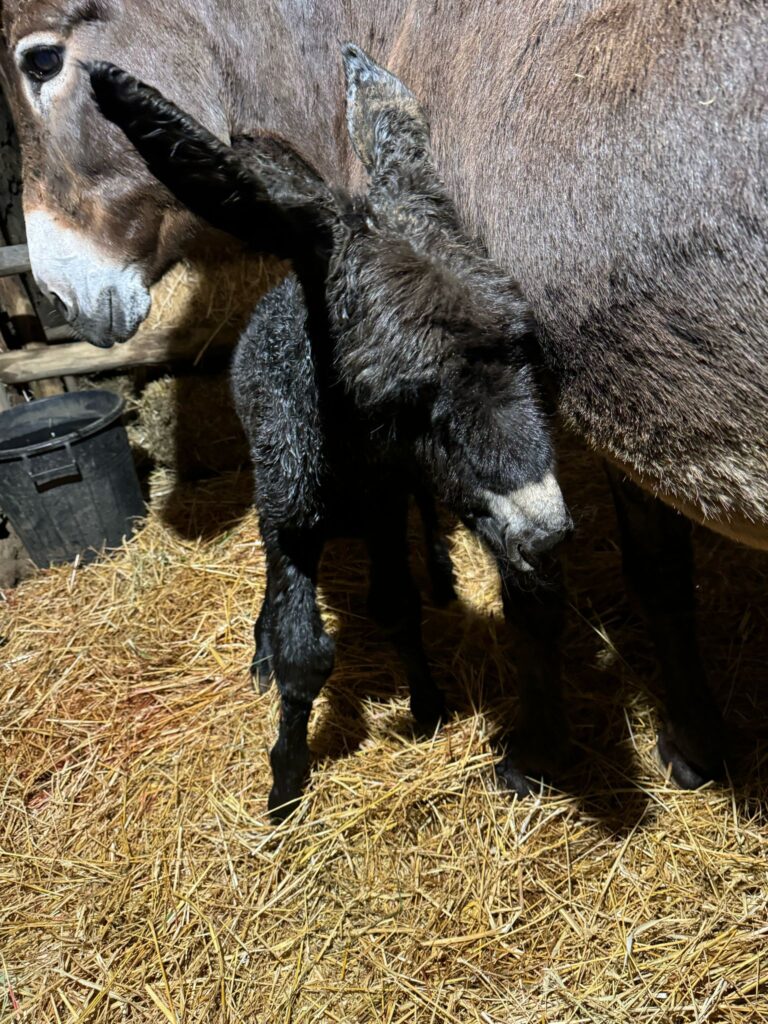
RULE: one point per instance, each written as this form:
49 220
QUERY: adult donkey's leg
302 654
395 604
658 566
533 609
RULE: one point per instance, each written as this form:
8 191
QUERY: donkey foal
396 360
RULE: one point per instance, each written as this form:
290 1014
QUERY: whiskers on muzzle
526 524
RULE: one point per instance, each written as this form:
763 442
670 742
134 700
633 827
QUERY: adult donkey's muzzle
103 300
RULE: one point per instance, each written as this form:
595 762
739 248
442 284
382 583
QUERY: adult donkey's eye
41 63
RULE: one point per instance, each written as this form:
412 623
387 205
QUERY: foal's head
431 321
445 335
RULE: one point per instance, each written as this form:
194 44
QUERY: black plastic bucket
67 479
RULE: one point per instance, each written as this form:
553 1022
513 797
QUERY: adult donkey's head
100 228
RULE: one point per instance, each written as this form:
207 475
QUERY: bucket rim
54 443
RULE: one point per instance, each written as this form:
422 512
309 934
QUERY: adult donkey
610 153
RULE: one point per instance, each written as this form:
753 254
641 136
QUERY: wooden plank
146 349
62 333
14 259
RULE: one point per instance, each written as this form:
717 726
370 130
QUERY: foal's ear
203 173
370 91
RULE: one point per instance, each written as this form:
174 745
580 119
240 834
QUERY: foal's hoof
533 758
262 671
281 806
689 771
429 711
517 780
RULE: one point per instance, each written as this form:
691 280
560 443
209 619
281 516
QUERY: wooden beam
146 349
61 333
14 259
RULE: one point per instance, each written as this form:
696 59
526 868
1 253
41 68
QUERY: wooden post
20 327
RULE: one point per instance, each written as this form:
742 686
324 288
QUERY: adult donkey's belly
627 195
614 162
736 527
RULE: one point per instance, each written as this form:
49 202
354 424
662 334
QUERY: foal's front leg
439 563
302 654
533 609
395 604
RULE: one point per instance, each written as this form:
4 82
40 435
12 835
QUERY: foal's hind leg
533 609
658 566
395 604
262 665
302 654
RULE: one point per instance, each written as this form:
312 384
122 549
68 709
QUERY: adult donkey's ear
203 173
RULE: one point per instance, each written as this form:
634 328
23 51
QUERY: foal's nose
539 538
530 520
553 535
525 546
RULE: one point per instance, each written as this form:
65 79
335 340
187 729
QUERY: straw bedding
140 880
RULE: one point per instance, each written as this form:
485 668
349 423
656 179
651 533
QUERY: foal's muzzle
525 524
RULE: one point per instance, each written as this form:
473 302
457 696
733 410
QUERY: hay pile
140 880
188 424
212 291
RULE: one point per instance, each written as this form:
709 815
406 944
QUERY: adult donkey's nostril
60 305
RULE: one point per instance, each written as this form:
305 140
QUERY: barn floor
140 880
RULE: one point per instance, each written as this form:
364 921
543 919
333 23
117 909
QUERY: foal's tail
261 191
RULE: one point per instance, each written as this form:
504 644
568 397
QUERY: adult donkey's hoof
689 770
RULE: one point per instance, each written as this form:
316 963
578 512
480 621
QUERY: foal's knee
302 666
